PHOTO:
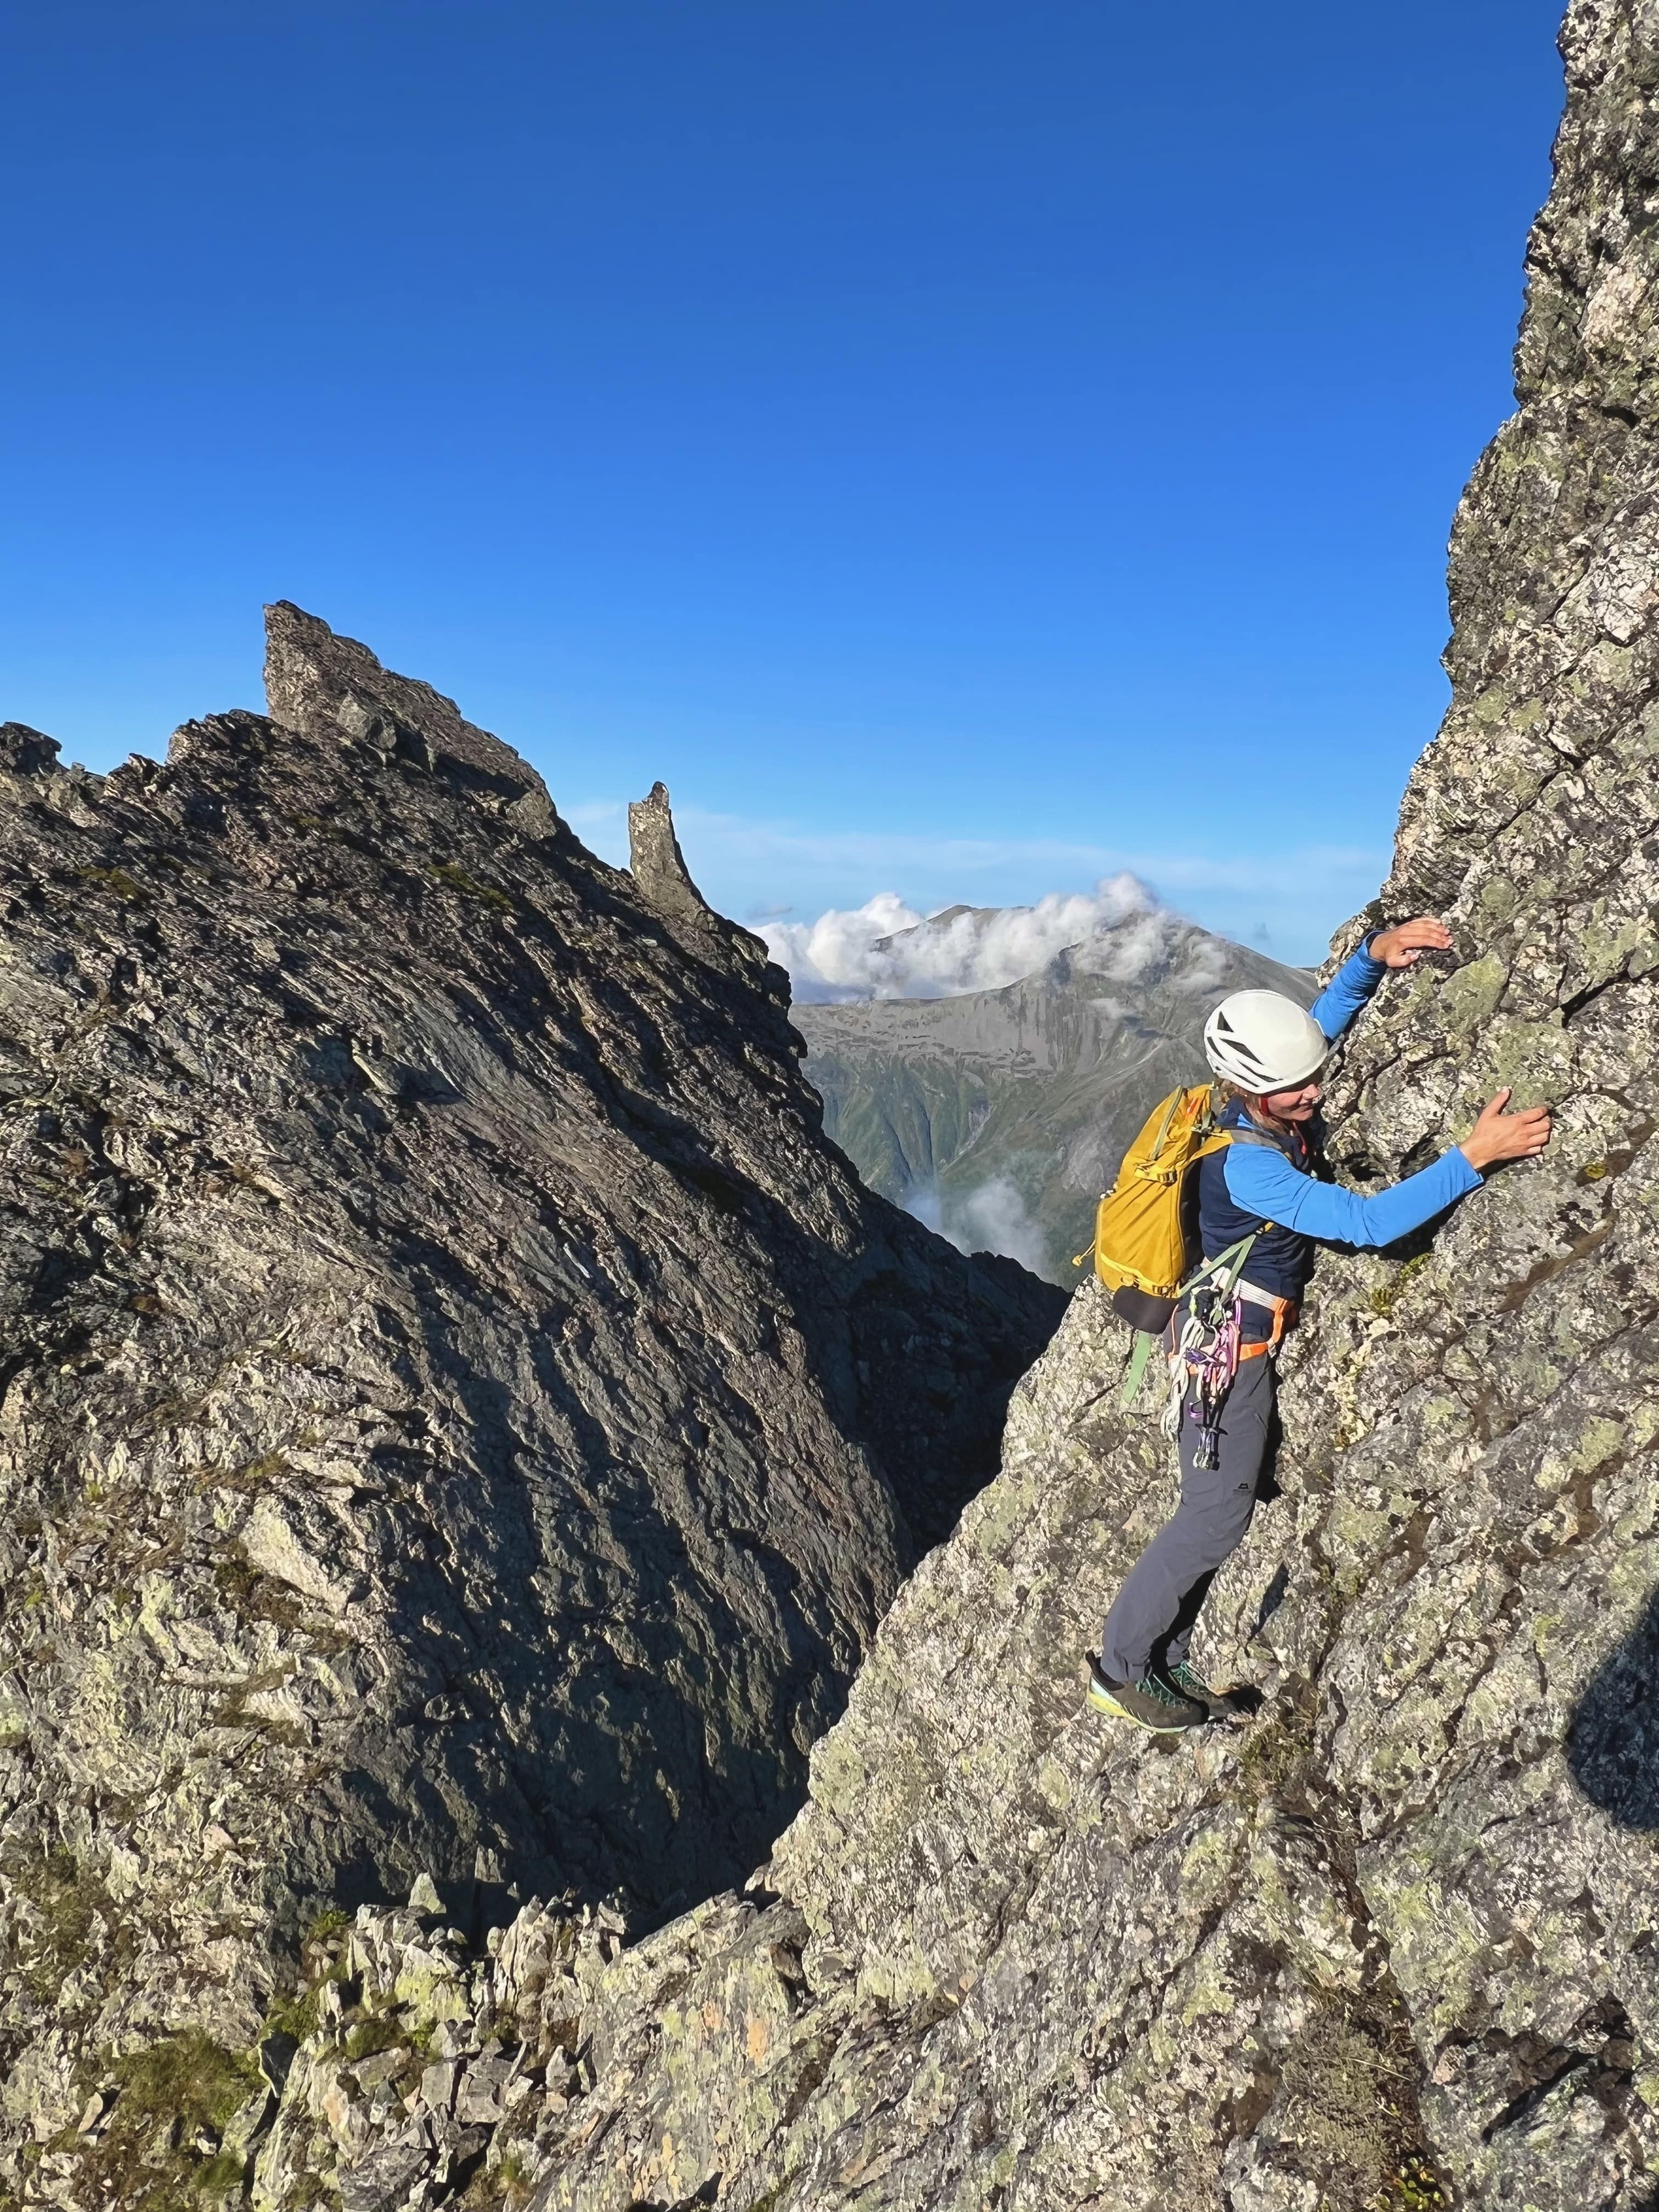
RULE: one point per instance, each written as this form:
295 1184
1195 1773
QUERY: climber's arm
1260 1180
1348 990
1351 988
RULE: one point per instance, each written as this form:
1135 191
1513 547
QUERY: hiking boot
1149 1702
1215 1704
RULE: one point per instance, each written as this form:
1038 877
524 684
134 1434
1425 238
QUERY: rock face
1399 1944
460 1416
1010 1109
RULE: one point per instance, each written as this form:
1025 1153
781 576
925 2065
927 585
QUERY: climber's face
1297 1105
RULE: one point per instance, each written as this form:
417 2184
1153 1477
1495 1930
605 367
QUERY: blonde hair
1250 1100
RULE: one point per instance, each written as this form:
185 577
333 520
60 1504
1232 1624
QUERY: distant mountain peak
1030 1089
858 955
939 924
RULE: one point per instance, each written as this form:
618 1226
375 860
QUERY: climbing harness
1225 1273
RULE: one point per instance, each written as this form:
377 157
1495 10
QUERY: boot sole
1104 1702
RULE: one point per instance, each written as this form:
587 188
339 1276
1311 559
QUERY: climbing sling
1209 1349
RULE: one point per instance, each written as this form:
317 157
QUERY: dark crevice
1588 996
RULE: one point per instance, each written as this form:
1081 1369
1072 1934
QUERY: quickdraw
1210 1349
1212 1369
1207 1350
1202 1366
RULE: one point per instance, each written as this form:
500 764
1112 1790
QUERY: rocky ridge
1398 1945
461 1420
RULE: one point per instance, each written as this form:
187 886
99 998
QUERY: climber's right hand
1498 1135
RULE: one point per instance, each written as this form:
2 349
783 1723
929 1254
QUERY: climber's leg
1151 1617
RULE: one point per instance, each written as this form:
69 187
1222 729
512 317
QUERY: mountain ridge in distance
1003 1114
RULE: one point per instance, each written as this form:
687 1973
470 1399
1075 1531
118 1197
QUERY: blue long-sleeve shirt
1266 1188
1348 992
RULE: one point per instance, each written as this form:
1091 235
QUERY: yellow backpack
1143 1226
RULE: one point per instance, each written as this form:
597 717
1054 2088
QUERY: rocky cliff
1035 1089
1398 1945
460 1416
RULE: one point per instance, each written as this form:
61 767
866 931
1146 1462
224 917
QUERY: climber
1226 1335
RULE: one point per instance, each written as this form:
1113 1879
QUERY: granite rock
1394 1944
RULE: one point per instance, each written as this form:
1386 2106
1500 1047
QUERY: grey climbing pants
1151 1622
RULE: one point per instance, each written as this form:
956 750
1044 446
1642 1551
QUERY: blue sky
963 448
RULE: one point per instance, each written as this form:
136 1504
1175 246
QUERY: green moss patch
1350 2086
117 881
458 880
1386 1296
73 1913
160 2149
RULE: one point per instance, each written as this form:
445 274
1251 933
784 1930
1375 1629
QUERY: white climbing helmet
1262 1040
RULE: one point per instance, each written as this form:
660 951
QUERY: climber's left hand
1404 946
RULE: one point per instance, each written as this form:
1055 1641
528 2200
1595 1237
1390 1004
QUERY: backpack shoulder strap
1138 1356
1254 1137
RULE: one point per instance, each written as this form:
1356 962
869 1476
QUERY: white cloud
885 950
923 1202
994 1218
835 956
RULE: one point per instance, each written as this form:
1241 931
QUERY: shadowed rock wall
459 1412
